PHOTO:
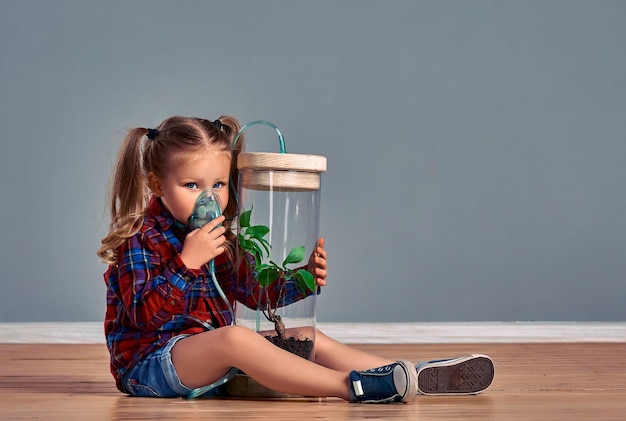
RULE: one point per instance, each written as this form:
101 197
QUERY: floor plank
559 381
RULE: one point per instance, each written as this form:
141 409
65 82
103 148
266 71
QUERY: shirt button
173 302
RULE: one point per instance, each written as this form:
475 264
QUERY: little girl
168 331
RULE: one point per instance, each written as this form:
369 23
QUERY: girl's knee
234 335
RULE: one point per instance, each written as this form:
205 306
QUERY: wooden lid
280 171
281 161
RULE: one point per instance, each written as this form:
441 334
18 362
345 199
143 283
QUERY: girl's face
180 186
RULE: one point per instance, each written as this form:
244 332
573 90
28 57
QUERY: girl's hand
317 263
204 244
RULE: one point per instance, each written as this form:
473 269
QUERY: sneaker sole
467 375
411 381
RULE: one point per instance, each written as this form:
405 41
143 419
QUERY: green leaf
304 280
295 255
266 245
273 263
244 219
252 248
267 276
257 231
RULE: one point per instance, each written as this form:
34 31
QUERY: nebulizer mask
206 209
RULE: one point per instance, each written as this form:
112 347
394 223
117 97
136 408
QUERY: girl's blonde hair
175 138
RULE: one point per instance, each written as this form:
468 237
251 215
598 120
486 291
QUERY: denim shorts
155 376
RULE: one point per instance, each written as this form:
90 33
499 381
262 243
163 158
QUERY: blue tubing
281 139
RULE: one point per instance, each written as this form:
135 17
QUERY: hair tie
217 124
152 134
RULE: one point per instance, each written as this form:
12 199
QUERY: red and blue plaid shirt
152 296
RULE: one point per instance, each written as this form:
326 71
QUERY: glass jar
279 205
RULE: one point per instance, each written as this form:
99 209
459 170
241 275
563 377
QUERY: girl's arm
152 281
246 289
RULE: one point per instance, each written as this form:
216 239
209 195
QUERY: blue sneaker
466 375
395 382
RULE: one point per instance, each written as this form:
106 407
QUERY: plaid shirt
152 296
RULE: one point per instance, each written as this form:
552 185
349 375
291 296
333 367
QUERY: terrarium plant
252 239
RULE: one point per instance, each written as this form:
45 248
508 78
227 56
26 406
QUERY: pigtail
128 195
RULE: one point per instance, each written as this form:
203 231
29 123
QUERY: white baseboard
363 333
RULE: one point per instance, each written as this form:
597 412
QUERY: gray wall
475 148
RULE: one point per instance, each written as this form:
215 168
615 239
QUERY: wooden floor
534 381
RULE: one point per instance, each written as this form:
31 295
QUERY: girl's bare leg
342 357
203 358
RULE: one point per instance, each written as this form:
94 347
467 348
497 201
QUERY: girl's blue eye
218 185
191 185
